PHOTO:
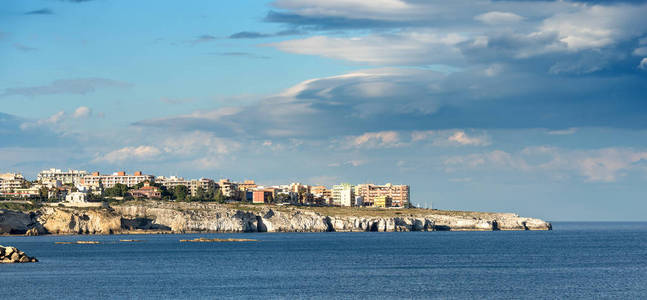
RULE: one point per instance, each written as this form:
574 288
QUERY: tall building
399 194
108 181
69 176
343 194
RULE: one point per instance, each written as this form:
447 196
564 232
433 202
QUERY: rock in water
13 255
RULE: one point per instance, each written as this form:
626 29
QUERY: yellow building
382 201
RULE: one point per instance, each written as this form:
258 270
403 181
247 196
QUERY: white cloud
462 138
641 51
598 165
596 26
129 154
450 138
195 148
52 120
643 64
383 49
498 17
356 162
82 112
382 139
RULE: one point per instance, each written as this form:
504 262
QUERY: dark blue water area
575 260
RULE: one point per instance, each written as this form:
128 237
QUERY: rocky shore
10 255
179 217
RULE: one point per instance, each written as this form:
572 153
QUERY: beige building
192 185
11 181
399 194
108 181
228 188
69 176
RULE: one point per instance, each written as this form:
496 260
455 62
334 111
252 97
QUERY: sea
576 261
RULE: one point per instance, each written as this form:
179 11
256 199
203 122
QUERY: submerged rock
13 255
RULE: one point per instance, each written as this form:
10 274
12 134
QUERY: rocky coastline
180 217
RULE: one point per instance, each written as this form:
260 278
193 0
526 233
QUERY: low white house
76 197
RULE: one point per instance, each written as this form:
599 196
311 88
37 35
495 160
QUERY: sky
532 107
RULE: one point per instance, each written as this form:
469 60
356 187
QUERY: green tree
200 194
119 190
43 193
218 197
180 192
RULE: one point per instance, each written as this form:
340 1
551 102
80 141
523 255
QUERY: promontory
184 217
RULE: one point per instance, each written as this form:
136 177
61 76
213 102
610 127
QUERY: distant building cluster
78 186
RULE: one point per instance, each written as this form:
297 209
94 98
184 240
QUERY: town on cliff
84 188
78 202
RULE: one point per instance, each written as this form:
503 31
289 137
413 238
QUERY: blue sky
534 107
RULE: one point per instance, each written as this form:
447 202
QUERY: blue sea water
575 260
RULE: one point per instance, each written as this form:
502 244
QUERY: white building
69 176
343 194
76 197
108 181
11 181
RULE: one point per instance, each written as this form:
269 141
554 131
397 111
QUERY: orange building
262 196
147 191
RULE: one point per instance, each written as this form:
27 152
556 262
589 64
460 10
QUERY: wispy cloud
79 86
241 54
205 38
249 35
24 48
258 35
595 165
42 11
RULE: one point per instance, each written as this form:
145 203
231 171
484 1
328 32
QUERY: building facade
108 181
262 196
147 191
343 194
399 194
382 201
69 176
192 185
76 197
11 181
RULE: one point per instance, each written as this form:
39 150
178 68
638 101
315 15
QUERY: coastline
159 217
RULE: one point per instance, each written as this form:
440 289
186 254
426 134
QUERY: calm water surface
576 260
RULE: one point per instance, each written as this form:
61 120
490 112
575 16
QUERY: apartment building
382 201
11 181
229 189
95 179
399 194
69 176
343 194
247 185
321 192
262 196
192 185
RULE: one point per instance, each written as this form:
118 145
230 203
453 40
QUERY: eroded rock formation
210 217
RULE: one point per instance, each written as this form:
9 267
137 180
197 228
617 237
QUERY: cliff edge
180 217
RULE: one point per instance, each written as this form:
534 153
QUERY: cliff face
208 217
